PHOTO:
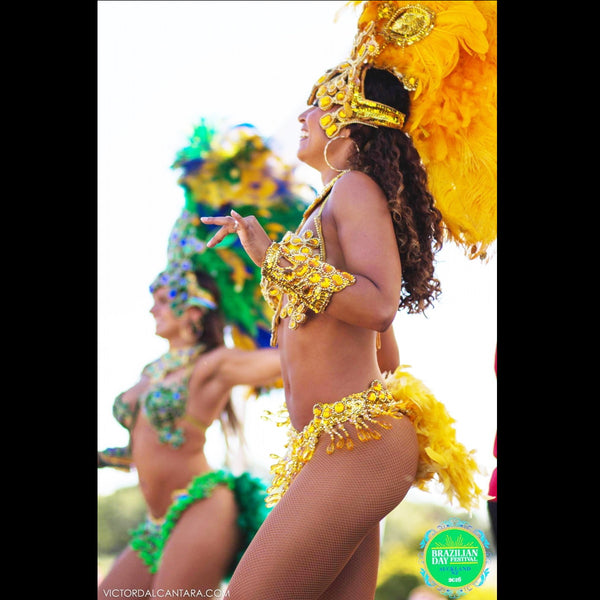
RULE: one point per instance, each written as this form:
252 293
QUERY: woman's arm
218 371
360 240
224 368
117 458
255 368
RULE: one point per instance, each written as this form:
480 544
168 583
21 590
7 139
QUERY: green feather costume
234 169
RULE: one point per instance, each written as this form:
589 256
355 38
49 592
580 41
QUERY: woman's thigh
201 546
358 578
127 573
331 506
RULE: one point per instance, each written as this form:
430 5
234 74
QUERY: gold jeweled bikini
309 283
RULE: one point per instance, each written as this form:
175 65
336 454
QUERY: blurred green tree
117 514
397 587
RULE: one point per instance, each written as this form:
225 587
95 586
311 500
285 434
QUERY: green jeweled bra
163 403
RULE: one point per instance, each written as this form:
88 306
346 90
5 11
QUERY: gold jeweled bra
163 403
309 282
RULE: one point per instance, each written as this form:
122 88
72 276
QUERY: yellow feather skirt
441 456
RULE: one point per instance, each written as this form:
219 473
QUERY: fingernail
235 214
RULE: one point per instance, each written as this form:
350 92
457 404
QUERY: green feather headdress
235 169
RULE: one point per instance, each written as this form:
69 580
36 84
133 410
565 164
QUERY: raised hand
253 237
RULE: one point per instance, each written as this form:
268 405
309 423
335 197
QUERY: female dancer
364 249
201 520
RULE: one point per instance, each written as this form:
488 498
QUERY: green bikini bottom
150 537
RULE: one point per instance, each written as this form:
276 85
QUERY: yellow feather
441 455
453 110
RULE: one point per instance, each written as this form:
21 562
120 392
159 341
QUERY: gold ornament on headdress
344 85
444 53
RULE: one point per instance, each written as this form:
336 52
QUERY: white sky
162 66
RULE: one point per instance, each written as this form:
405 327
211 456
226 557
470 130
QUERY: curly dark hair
389 157
212 333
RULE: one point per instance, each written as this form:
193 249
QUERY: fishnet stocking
321 542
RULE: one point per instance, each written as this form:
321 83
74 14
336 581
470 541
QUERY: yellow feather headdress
445 54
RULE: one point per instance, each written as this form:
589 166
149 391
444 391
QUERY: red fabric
492 491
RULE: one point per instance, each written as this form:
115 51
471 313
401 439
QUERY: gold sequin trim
410 24
309 282
360 409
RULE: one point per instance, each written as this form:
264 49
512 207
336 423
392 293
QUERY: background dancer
200 519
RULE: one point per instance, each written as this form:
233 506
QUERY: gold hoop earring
338 137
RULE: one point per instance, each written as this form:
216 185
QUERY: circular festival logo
454 558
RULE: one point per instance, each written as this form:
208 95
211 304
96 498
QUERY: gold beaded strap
309 282
360 409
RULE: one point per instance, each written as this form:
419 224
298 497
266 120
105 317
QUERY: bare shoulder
353 181
208 362
356 190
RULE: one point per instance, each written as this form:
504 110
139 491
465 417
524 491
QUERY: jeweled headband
344 85
183 288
